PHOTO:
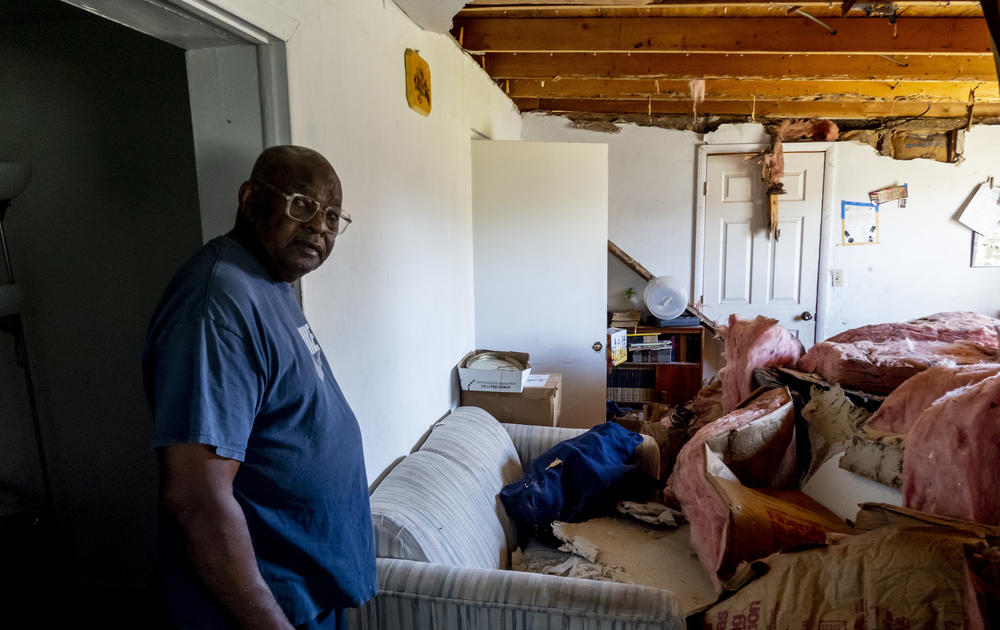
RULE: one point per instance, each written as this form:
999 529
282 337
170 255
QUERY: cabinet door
540 232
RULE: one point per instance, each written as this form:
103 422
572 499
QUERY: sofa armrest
419 595
530 441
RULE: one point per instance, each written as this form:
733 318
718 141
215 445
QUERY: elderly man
266 515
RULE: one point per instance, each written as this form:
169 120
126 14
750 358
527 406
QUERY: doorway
138 144
747 272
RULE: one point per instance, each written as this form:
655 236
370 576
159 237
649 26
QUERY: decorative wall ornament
418 83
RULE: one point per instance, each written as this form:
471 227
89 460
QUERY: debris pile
750 344
933 384
880 357
913 405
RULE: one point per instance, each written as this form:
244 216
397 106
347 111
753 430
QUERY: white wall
393 307
920 267
651 183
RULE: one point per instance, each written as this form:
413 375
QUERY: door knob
597 346
806 315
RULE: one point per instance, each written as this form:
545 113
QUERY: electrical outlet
837 277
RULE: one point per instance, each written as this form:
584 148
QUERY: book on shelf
653 356
643 337
650 345
625 319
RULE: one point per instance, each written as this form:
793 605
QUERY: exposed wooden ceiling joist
659 66
940 36
742 90
719 9
552 5
759 59
764 109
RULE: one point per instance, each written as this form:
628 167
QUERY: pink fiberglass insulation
775 466
816 129
750 344
952 460
967 327
905 404
880 357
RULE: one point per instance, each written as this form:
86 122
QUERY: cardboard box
537 404
494 380
617 346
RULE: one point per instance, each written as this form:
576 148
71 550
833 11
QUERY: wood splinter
772 216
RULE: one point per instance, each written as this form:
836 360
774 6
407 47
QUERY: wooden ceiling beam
943 36
737 89
822 10
550 4
761 109
615 4
712 66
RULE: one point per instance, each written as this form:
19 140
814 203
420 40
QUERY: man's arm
197 489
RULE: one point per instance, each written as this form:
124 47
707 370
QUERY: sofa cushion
475 440
431 509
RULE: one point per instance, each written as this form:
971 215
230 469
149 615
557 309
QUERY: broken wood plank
647 275
630 262
941 36
722 66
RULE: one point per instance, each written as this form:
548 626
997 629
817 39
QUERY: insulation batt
750 344
817 129
701 503
905 404
880 357
952 461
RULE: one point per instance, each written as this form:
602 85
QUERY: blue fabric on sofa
574 480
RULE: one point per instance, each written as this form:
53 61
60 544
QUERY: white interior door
540 231
746 271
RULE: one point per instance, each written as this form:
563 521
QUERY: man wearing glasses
266 517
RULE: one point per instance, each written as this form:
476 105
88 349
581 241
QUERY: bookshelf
664 366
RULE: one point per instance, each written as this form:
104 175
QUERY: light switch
837 277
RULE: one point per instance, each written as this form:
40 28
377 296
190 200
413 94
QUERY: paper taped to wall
859 223
982 212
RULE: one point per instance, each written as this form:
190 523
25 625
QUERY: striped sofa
444 540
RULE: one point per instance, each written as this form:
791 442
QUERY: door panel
747 272
540 232
736 253
786 255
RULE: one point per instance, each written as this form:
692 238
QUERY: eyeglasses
303 208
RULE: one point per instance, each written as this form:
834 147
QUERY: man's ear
245 198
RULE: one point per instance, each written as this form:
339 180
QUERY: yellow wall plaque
418 83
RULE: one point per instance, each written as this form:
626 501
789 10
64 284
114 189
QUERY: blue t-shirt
231 362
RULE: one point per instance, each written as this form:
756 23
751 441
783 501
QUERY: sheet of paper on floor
840 491
648 555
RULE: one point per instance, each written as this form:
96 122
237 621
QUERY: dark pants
329 620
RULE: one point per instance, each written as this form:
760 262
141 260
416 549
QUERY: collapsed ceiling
860 63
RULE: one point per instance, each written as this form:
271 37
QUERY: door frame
258 29
199 27
701 182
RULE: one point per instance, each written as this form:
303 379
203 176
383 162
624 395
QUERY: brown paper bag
893 577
